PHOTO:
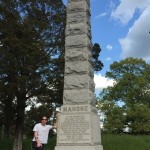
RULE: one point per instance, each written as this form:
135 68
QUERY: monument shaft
78 123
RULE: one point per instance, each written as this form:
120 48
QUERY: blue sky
121 27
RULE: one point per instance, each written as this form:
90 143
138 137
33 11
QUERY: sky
121 28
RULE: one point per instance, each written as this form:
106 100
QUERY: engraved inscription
84 108
75 129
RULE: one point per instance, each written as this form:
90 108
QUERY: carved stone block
78 96
78 128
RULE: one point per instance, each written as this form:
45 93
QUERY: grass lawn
109 142
125 142
7 145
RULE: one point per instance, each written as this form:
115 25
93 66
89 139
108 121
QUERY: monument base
78 128
96 147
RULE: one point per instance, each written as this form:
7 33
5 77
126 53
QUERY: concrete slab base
96 147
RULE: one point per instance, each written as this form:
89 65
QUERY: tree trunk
5 135
8 116
18 137
19 125
2 132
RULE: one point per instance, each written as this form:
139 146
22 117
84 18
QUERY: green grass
7 145
50 146
109 142
125 142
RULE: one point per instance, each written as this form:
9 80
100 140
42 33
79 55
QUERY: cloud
102 82
102 15
112 5
108 59
109 47
137 41
125 11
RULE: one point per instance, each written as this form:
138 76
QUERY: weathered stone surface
92 85
78 128
82 147
80 17
78 29
78 82
78 54
77 109
78 67
78 6
74 129
78 41
78 96
71 1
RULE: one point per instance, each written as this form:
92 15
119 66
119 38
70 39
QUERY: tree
97 64
131 87
31 57
31 36
113 116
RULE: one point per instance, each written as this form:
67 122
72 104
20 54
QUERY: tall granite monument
78 122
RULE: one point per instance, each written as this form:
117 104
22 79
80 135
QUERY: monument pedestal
96 147
78 128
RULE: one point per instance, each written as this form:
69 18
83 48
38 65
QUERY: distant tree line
126 104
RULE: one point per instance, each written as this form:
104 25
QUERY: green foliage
97 64
31 35
31 49
114 123
131 88
138 119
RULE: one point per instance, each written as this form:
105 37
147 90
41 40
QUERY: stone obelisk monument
78 122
